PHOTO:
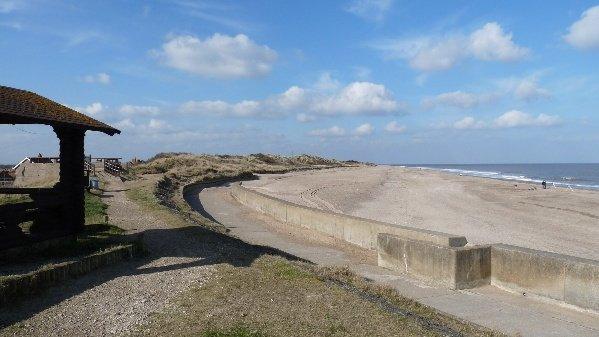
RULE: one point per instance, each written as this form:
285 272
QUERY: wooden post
72 183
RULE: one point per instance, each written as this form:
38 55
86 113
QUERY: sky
374 80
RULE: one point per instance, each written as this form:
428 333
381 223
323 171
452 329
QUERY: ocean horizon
566 175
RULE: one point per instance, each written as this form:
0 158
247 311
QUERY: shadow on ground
205 246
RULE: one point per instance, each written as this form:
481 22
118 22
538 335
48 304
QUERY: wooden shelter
60 209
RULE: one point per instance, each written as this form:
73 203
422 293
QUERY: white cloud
374 10
157 124
394 127
293 98
92 109
101 78
327 83
7 6
528 89
515 118
468 123
219 56
491 43
224 109
125 124
364 130
333 131
304 118
584 33
524 88
510 119
433 53
458 99
357 98
128 109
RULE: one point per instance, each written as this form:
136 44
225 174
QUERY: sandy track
484 210
113 300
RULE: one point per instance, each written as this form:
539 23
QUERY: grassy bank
269 295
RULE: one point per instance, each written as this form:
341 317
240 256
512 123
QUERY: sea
574 176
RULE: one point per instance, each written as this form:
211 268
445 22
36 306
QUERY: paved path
487 306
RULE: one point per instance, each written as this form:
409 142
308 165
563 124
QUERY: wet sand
484 210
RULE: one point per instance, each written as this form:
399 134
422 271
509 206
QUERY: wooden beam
72 183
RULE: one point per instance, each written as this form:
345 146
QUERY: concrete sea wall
564 278
444 259
359 231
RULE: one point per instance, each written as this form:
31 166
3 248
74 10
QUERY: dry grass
277 297
189 168
272 297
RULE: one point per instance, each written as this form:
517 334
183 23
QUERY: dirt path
113 300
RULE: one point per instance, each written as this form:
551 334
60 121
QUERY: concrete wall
37 174
443 259
359 231
563 278
451 267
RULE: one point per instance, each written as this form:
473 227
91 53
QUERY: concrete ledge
564 278
359 231
14 287
451 267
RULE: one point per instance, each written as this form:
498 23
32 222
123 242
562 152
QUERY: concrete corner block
473 266
454 268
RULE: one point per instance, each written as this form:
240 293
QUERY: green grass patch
97 235
6 199
95 209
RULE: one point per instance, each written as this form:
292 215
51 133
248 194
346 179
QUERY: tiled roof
24 107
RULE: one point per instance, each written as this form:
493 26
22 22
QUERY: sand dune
484 210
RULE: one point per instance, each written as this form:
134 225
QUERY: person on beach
544 183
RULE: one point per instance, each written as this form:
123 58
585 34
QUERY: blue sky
378 80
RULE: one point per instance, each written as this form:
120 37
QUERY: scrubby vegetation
185 167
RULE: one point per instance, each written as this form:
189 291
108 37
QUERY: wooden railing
113 168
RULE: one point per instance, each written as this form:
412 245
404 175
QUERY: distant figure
544 183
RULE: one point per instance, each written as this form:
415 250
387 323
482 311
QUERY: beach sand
484 210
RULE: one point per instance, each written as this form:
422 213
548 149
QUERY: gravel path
113 300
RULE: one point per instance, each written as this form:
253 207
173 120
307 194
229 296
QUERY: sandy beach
484 210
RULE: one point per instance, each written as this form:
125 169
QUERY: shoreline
502 176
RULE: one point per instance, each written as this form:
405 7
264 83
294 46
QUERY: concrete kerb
359 231
14 287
